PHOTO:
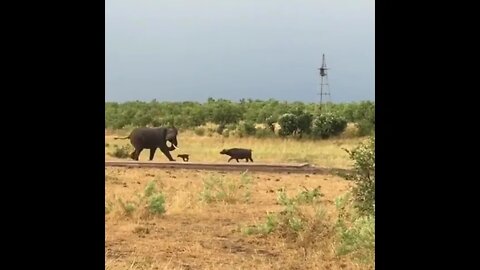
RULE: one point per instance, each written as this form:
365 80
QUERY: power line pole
324 87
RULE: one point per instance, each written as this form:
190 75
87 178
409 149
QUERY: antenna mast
324 87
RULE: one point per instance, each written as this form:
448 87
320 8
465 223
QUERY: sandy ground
196 235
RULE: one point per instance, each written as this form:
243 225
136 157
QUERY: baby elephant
238 153
184 157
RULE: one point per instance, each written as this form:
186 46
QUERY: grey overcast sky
189 50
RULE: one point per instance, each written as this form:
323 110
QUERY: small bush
155 200
127 207
200 131
121 152
218 189
291 221
269 226
364 176
309 196
151 202
365 127
263 133
359 239
355 232
288 124
304 197
150 189
327 125
231 127
156 203
246 128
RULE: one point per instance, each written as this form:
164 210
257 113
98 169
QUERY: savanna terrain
190 219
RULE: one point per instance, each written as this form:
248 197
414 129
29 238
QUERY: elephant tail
122 138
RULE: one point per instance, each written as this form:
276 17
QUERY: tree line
294 118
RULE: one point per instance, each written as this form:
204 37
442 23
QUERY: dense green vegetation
294 118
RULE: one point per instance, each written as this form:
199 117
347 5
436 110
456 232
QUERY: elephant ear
170 133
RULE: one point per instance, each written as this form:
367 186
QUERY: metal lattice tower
324 87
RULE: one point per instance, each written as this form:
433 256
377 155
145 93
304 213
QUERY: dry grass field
324 153
207 217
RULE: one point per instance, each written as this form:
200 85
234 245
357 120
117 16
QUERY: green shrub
355 232
327 125
365 127
263 133
127 207
359 239
156 203
304 197
155 199
218 189
269 226
246 128
364 176
200 131
288 124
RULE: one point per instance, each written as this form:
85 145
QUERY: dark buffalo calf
238 153
184 157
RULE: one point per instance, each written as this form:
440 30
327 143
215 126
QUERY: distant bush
327 125
263 133
246 129
200 131
294 118
288 124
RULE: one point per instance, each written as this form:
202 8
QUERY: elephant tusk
175 146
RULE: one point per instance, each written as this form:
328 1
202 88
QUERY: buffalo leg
230 159
251 159
237 160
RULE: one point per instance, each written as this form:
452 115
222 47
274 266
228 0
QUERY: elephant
153 138
238 153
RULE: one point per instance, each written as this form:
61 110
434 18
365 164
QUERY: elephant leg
152 153
136 153
166 153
